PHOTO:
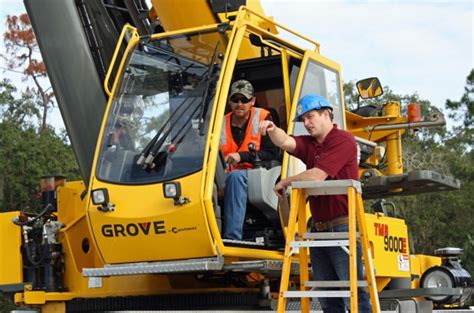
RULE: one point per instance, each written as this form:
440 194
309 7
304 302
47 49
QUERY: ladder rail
356 219
303 253
290 236
367 254
351 202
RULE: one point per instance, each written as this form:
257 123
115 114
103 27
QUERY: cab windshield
158 121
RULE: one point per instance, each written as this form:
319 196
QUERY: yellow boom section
176 15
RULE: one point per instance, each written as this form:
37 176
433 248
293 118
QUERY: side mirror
369 88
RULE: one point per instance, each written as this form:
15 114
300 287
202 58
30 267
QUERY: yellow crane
142 229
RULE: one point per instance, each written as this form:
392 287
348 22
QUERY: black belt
322 226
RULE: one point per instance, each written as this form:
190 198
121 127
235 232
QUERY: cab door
317 75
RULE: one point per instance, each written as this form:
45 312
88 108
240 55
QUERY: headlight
172 190
100 196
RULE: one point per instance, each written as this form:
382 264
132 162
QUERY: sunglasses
237 99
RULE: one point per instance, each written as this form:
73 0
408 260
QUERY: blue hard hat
311 102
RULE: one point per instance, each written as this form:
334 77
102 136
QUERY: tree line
29 146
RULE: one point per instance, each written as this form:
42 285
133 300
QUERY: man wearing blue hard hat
329 153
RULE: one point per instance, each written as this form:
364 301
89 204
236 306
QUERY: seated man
239 130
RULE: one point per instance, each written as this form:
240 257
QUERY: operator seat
219 184
260 184
275 116
366 111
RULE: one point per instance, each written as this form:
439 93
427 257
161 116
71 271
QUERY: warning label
403 263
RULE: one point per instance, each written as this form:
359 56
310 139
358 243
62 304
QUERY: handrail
327 187
316 44
125 29
436 119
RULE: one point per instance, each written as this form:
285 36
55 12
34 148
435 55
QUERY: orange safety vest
252 135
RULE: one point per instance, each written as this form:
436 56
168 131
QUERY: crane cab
158 158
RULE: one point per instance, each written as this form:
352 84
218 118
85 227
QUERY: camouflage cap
243 87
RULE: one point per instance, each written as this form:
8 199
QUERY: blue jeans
332 263
235 204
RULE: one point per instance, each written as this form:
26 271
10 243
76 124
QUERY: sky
412 46
423 47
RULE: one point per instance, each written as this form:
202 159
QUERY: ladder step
319 243
333 284
318 294
328 235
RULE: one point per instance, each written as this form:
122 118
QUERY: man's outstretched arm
278 136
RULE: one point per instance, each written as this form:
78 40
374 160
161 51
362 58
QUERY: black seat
221 173
275 116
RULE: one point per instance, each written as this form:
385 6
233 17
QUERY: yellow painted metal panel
175 15
54 307
152 229
181 14
389 238
11 264
70 205
78 246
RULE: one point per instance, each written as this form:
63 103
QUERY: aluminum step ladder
304 240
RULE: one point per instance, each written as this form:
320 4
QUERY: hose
46 209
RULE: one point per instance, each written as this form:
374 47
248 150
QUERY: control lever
254 155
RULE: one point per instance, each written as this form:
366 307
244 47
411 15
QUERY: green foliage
6 302
27 154
17 111
459 143
351 97
463 110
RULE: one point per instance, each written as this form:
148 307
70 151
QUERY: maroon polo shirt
337 156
